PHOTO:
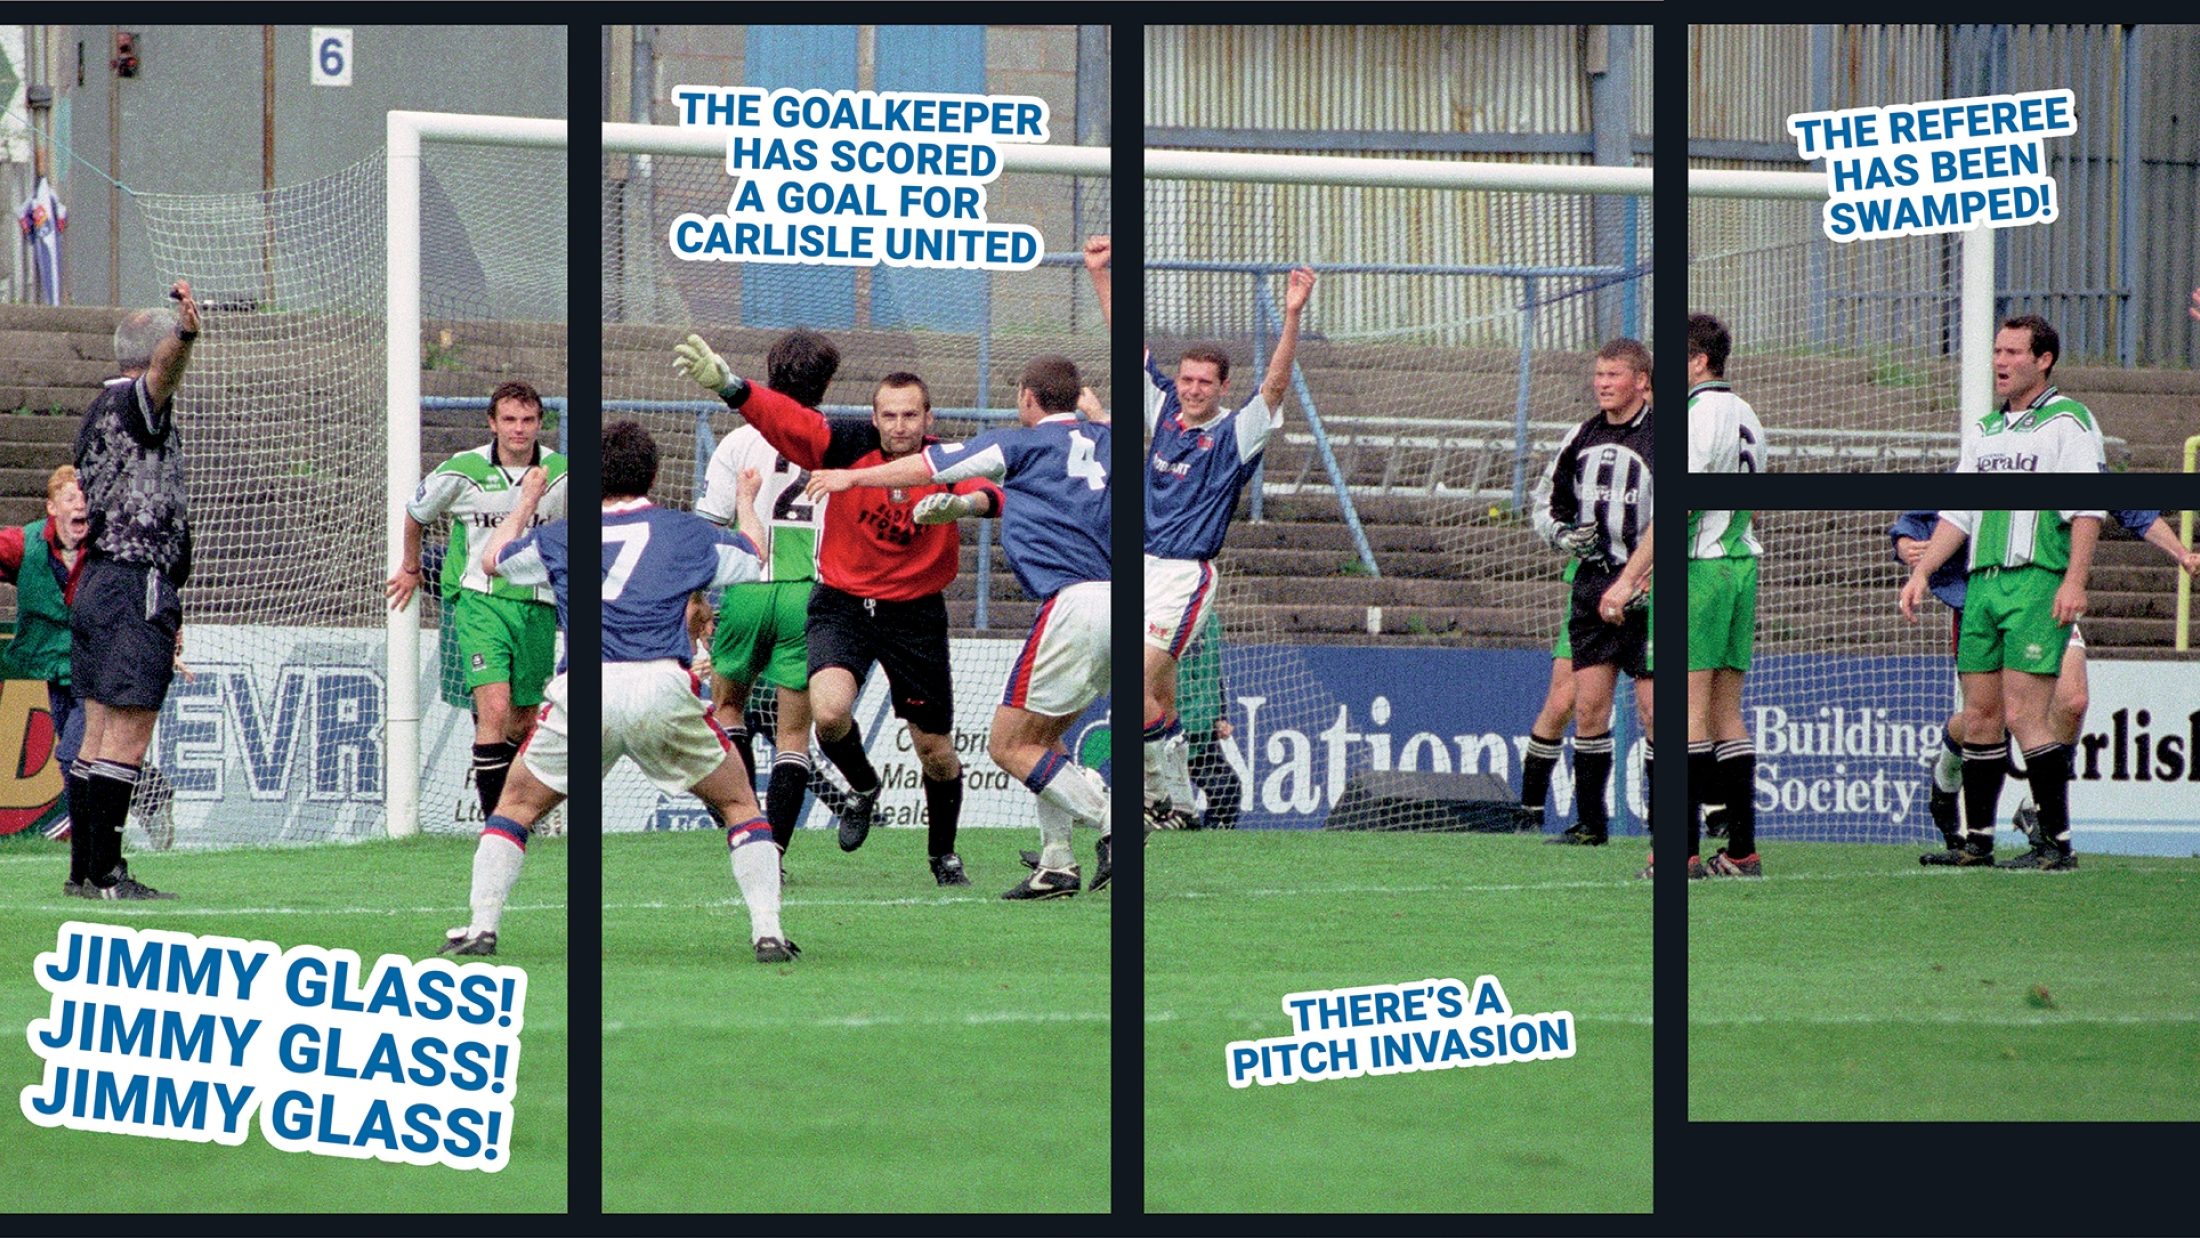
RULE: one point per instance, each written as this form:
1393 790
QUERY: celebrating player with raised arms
1201 456
1055 466
881 582
505 635
526 554
2037 429
1594 502
653 561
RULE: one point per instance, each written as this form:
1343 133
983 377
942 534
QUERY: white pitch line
150 909
984 1018
2045 1018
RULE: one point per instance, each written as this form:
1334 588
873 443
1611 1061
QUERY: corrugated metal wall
2115 281
1524 80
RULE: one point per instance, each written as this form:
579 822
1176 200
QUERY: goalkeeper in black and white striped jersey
1910 533
1594 502
1723 437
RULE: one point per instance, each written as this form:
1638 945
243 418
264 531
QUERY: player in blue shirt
536 783
1054 468
654 560
1199 461
1910 533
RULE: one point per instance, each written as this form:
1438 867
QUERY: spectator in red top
885 559
53 549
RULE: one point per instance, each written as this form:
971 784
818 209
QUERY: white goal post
1975 272
407 131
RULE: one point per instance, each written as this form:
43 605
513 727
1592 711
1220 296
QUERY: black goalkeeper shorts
908 639
123 626
1625 644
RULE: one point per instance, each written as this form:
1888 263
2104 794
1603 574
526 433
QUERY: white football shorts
1179 595
652 714
1063 666
546 750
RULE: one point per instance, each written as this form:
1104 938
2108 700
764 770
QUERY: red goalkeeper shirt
870 548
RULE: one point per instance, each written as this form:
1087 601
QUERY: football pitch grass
1853 985
375 898
1235 920
933 1050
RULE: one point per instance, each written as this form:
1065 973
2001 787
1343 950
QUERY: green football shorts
502 640
2009 622
1722 613
760 634
1564 646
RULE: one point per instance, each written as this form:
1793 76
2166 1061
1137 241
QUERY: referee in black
127 616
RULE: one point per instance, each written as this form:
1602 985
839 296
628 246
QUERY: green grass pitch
1234 921
1853 985
377 898
933 1050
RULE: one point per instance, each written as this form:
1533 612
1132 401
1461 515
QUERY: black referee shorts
909 639
1625 644
123 627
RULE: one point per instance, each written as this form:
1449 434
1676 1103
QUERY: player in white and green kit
760 629
504 636
2028 573
2036 428
1723 437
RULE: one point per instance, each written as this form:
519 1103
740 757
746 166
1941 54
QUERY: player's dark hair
1629 350
1709 336
629 460
903 378
519 392
1210 353
801 365
2045 341
1052 381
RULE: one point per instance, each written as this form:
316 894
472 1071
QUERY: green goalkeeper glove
695 359
943 508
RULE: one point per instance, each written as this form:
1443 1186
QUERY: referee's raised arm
165 371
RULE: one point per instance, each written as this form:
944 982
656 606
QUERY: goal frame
406 133
1975 297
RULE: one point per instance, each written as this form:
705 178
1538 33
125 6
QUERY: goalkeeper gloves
943 508
1579 540
695 359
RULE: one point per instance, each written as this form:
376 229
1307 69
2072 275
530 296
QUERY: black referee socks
107 789
943 806
847 756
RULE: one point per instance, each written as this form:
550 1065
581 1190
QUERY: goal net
1856 356
966 333
1446 351
282 731
1845 700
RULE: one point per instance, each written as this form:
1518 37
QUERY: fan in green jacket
42 559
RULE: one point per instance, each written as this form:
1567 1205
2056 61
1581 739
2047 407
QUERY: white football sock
1176 775
496 868
1079 792
756 871
1054 829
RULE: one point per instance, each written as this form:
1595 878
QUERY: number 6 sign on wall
331 57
